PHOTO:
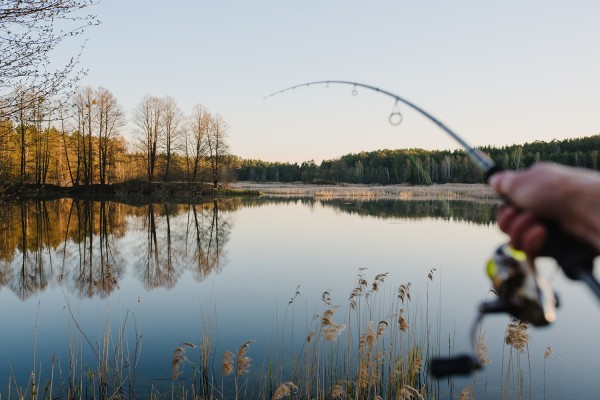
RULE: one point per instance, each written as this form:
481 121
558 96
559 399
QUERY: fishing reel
521 291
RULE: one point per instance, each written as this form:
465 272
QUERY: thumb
502 182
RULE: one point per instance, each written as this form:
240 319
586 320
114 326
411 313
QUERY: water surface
155 276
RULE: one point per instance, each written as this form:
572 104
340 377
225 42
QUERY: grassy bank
450 191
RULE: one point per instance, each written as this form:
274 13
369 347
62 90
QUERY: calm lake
103 296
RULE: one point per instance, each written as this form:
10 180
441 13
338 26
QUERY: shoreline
448 191
130 192
140 192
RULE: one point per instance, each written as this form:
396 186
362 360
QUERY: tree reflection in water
100 265
80 244
30 274
206 235
156 268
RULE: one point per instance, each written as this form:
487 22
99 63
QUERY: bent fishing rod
521 291
480 158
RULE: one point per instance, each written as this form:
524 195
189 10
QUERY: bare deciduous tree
148 117
85 116
217 147
31 29
196 144
110 119
172 118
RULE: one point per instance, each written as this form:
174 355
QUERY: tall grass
373 349
373 344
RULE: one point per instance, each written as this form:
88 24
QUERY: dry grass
450 191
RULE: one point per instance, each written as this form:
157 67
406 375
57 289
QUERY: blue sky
496 72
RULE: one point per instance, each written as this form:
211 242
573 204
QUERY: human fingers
518 226
504 216
533 239
501 182
525 231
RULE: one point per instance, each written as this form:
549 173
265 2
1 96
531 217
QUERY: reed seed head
465 394
309 337
378 280
330 329
404 292
176 361
243 348
284 390
381 327
408 392
363 372
243 365
339 391
402 322
370 336
327 319
326 297
227 363
416 366
430 274
516 335
482 350
243 362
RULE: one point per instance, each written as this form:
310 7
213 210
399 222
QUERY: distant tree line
422 167
78 140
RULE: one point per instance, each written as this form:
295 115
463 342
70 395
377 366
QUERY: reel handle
575 256
460 365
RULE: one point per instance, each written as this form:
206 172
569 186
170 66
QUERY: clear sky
497 72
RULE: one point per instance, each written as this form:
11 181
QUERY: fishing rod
521 290
481 159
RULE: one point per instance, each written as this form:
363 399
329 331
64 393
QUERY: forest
421 167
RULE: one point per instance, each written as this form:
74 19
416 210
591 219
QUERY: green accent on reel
517 254
491 268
